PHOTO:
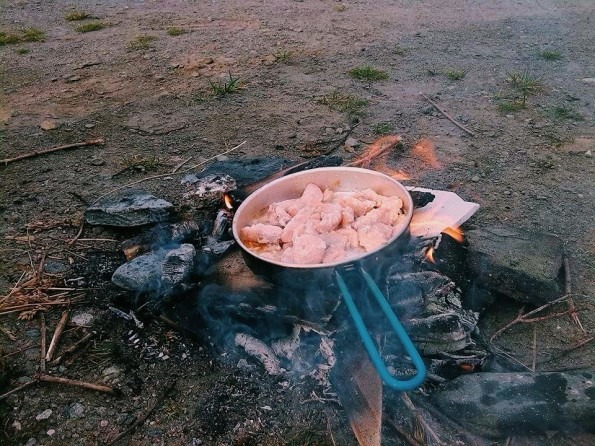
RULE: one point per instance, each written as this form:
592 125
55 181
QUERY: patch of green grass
339 8
22 50
550 55
76 15
562 112
344 103
142 42
508 107
455 75
524 83
222 88
283 56
382 128
141 163
25 35
368 73
175 31
91 26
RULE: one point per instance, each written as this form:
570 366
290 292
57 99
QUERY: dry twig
17 389
75 383
568 292
74 347
180 165
450 118
523 318
419 421
142 180
43 339
57 334
404 435
93 142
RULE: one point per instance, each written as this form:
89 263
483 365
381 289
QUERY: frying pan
343 179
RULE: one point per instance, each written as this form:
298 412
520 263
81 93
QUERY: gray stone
44 415
142 274
351 142
177 265
523 265
76 410
504 404
475 178
589 80
54 267
132 209
31 442
82 319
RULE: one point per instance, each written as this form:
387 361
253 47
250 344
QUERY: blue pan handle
397 384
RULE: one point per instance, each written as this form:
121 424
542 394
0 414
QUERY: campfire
406 316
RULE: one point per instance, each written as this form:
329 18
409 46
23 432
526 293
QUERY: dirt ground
153 97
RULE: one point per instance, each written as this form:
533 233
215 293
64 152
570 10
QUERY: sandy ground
152 101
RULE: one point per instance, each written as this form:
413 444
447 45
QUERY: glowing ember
228 201
377 151
424 150
455 233
430 255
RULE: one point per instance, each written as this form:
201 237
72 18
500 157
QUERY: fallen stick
74 382
57 334
180 165
568 291
522 318
163 175
404 435
140 420
17 389
568 350
93 142
377 148
418 419
450 118
78 234
43 339
74 346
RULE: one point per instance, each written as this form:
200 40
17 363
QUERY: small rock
588 154
44 415
16 424
89 126
49 124
76 410
222 158
97 162
510 116
51 432
54 267
111 375
103 423
329 131
475 178
141 274
589 80
31 442
82 319
351 142
73 78
131 209
177 265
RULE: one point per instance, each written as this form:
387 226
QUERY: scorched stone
503 404
523 265
132 209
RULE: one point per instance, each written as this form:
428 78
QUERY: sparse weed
524 83
339 8
550 55
22 50
368 73
455 75
562 112
91 26
283 56
399 50
142 42
25 35
74 16
175 31
222 88
382 128
344 103
141 163
508 107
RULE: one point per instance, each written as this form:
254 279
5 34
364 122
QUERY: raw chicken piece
335 247
347 217
327 196
360 207
277 215
369 194
287 255
394 206
261 233
350 235
308 249
330 217
374 236
312 195
297 225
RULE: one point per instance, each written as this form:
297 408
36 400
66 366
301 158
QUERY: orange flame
455 233
430 255
228 201
377 151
